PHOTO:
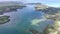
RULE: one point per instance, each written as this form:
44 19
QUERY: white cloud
48 2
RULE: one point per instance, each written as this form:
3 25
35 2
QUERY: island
4 19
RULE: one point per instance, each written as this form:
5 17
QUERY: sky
54 3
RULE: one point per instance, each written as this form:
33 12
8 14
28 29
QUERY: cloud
48 2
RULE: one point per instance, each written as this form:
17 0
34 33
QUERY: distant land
32 3
47 9
10 6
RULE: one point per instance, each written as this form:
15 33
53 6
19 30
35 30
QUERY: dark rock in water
13 9
33 31
1 12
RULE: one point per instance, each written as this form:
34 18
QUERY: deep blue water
21 21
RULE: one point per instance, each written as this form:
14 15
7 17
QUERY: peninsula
10 6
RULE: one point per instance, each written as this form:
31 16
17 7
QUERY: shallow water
21 21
